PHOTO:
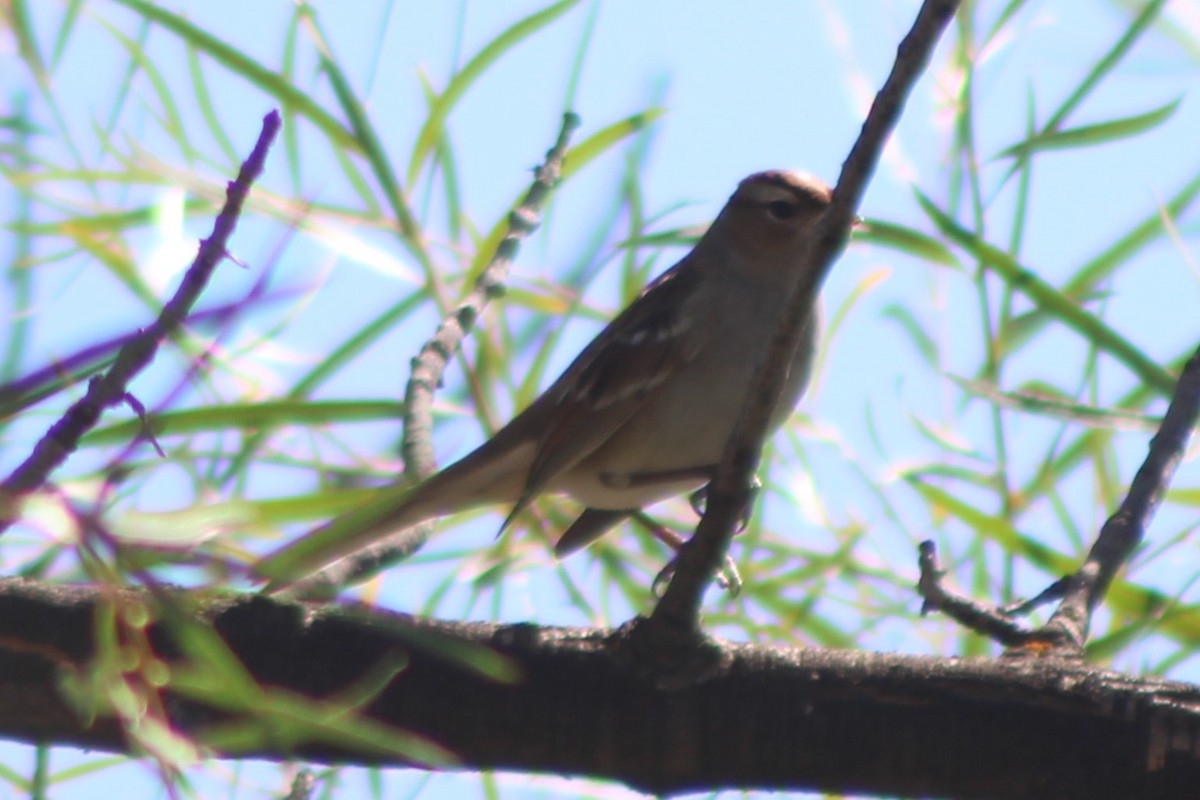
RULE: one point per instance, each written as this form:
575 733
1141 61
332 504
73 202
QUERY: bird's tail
466 484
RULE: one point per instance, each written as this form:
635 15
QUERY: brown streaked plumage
644 411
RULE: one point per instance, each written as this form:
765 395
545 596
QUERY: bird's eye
782 209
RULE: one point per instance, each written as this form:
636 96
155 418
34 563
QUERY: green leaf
431 131
576 158
207 108
944 437
1187 497
922 341
173 122
1053 301
212 674
1104 264
19 19
114 255
250 415
599 142
346 533
1088 135
905 240
233 59
109 221
1048 401
1147 15
364 132
996 529
70 16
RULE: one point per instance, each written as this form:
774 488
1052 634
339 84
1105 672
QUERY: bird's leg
728 578
699 502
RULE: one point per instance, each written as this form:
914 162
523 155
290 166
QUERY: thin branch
427 370
1124 530
702 556
303 785
1066 632
971 614
112 388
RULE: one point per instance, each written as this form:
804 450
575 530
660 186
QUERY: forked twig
1066 631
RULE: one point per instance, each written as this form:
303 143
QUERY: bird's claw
699 502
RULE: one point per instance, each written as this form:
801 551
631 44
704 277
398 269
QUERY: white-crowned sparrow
645 410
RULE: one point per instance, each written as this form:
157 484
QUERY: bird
644 411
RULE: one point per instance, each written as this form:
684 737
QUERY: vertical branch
1125 529
702 556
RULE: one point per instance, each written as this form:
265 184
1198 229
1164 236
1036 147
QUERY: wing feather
613 377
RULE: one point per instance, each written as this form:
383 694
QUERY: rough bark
838 721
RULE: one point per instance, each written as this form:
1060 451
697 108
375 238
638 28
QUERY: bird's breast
682 427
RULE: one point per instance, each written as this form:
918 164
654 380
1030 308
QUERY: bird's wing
605 385
613 378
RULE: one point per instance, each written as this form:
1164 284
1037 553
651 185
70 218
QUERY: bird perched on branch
644 412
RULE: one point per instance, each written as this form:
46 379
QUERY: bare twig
1066 632
302 785
969 613
111 388
1052 593
427 369
702 556
1124 530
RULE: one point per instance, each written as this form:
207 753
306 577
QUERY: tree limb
778 718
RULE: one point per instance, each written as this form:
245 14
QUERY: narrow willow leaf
543 301
114 255
1104 264
576 157
364 132
471 71
1089 135
945 438
1139 25
996 529
861 288
209 672
233 59
1047 401
22 29
207 108
599 142
173 122
70 15
109 222
1185 497
686 236
87 768
970 477
250 415
1136 28
1053 301
922 341
905 240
